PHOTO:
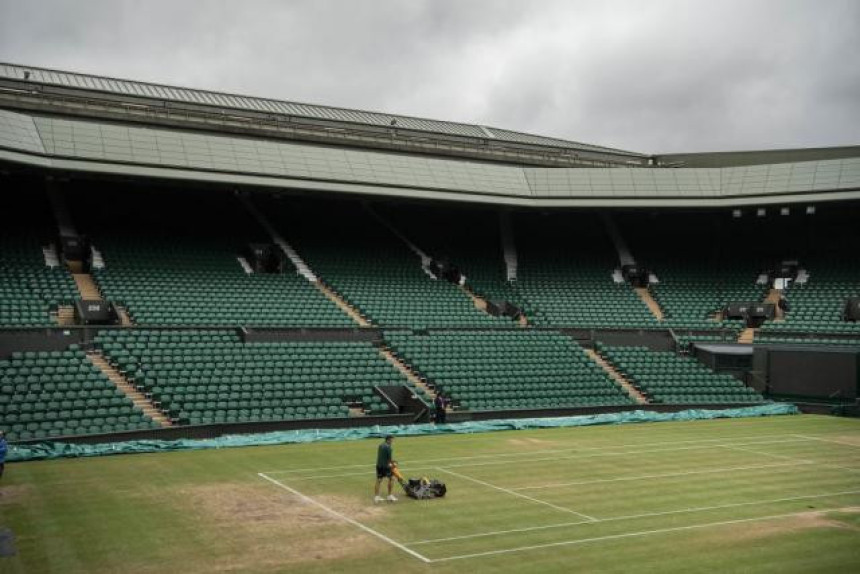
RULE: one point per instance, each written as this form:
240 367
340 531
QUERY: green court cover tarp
50 450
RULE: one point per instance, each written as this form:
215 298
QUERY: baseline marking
634 516
367 529
517 494
533 452
618 536
666 475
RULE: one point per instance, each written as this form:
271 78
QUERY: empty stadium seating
168 268
665 377
829 341
508 369
212 377
816 307
565 274
373 269
60 393
468 238
29 289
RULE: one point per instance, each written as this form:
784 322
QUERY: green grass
777 494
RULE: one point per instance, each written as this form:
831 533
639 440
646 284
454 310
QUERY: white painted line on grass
333 512
420 466
617 536
517 494
633 516
665 475
827 440
784 457
534 452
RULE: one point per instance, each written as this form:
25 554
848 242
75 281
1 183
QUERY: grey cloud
650 76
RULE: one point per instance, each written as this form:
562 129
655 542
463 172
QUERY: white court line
666 475
783 457
617 536
542 459
533 452
827 440
367 529
517 494
634 516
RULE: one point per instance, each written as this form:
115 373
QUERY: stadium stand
211 376
508 369
373 269
171 268
665 377
700 265
30 290
566 261
61 393
468 238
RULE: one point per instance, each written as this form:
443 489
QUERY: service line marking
517 494
827 440
784 457
635 516
421 466
337 514
534 452
665 475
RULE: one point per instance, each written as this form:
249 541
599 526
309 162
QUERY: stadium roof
45 80
51 120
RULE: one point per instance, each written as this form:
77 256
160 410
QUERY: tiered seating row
29 290
211 376
508 370
197 283
816 307
665 377
60 393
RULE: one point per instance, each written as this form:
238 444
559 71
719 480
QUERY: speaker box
75 247
95 313
265 258
737 309
636 275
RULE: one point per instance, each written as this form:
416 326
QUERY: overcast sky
648 75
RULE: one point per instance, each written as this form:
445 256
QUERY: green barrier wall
51 450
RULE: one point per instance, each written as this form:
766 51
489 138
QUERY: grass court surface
779 494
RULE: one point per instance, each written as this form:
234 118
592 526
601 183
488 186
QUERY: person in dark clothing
384 458
439 404
3 449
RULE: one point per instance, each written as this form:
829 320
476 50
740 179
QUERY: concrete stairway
124 317
301 266
645 294
509 246
138 398
773 296
343 304
628 387
407 371
747 335
87 287
481 304
65 315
